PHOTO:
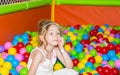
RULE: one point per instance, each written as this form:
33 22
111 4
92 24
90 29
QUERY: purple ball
90 47
2 49
117 36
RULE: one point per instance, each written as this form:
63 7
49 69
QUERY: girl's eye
58 33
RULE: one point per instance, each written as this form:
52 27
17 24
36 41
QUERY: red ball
117 48
69 43
99 69
87 41
98 48
95 40
97 27
99 36
75 61
106 70
104 50
20 45
26 55
77 27
91 59
106 40
17 48
115 71
113 31
111 46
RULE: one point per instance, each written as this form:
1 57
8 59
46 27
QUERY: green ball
79 38
118 55
28 32
74 43
33 34
96 65
76 69
81 55
29 48
24 71
93 52
65 37
88 69
102 45
117 40
73 53
111 63
20 40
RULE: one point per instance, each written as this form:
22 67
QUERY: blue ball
105 57
72 28
111 53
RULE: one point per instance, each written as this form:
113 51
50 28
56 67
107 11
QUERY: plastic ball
69 33
24 64
29 48
24 71
111 46
81 55
10 58
93 52
18 68
4 55
106 70
1 61
98 59
99 69
67 48
117 63
92 60
75 62
88 69
7 65
104 50
90 47
12 51
13 72
20 45
15 63
7 45
115 71
19 57
111 63
22 50
2 49
76 69
58 66
81 65
4 71
73 53
73 38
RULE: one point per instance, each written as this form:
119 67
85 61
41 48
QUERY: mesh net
5 2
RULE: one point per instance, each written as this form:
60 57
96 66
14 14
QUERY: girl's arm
36 59
63 55
64 58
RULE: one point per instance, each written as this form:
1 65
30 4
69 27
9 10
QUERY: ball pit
94 50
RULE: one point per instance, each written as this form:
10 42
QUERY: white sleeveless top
45 68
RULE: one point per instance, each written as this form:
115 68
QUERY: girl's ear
41 37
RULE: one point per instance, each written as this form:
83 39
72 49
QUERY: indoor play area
91 31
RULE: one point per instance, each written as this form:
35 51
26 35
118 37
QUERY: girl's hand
61 43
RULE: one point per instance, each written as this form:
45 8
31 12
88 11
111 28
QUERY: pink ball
107 66
7 45
112 35
18 68
104 62
117 63
22 50
65 31
4 55
19 57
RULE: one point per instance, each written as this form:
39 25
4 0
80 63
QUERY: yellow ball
12 51
4 71
93 72
35 38
111 38
7 65
86 49
1 61
67 48
87 56
58 66
93 38
34 43
24 64
103 27
85 73
73 38
107 32
70 33
105 36
98 59
81 65
84 61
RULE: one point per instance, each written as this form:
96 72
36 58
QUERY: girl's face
53 35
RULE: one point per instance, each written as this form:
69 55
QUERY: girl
43 57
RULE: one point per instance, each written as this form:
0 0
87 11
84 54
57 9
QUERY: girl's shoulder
36 52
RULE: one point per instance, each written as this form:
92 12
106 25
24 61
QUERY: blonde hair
43 27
